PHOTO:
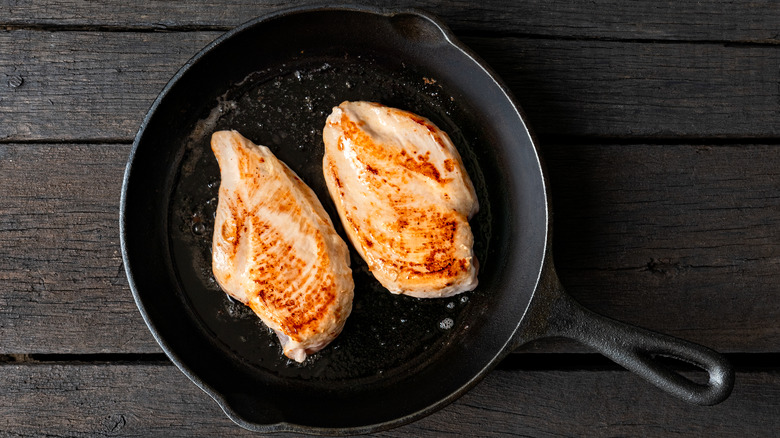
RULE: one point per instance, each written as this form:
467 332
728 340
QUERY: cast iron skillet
275 79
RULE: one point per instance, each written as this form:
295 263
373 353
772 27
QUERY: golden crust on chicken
275 249
404 198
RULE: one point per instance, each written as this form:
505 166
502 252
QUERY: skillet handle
634 348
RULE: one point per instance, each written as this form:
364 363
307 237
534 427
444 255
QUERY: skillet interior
398 357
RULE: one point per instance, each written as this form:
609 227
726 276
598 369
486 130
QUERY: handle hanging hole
691 371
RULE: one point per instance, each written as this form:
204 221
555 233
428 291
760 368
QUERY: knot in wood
114 423
15 81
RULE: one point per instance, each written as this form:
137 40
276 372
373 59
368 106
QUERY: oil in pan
285 109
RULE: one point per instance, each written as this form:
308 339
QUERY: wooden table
660 125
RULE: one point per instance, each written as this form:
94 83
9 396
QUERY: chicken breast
404 198
275 248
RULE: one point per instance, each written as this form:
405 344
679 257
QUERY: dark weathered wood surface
157 400
64 288
714 20
659 123
567 87
648 233
54 90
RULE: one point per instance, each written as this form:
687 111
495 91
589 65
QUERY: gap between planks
742 362
488 33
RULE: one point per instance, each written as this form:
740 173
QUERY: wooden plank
606 403
77 85
685 240
62 284
644 233
94 85
719 20
105 400
594 88
155 400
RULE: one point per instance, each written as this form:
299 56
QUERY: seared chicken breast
404 198
275 248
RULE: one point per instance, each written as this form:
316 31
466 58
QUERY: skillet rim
284 426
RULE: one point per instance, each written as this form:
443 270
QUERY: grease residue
285 109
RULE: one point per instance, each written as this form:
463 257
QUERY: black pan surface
285 108
275 80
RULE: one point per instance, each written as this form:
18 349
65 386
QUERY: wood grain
62 284
718 20
594 88
156 399
654 234
53 90
650 234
